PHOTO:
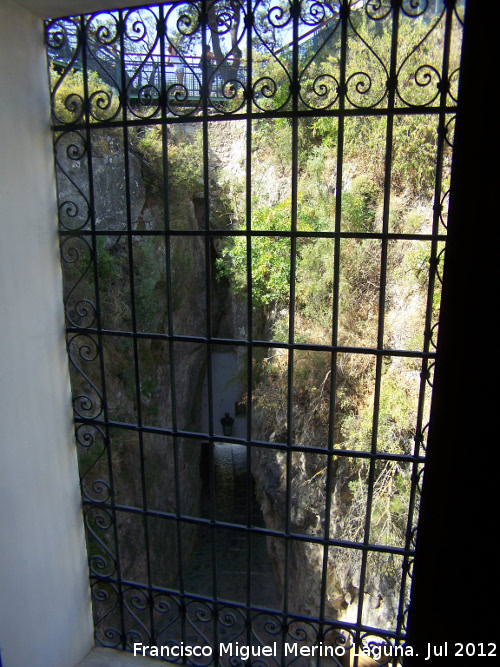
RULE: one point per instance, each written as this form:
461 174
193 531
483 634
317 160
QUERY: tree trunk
213 22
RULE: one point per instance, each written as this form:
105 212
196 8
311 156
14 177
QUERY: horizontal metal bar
258 115
298 537
290 617
240 342
216 233
195 435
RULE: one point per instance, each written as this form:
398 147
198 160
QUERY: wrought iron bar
391 84
122 86
83 45
335 312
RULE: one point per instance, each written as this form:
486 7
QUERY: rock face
307 496
171 468
108 180
109 183
188 361
305 569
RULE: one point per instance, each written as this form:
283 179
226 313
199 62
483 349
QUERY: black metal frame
145 611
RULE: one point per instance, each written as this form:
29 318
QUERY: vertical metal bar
83 45
335 313
392 85
121 24
249 349
170 323
295 11
208 274
429 306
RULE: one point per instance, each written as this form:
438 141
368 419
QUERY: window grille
147 218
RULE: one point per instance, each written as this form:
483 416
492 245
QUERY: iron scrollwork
77 259
99 524
107 613
143 67
83 350
126 57
70 151
141 34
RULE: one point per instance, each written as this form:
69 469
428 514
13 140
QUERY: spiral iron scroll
144 83
84 351
201 620
93 446
70 152
99 525
125 57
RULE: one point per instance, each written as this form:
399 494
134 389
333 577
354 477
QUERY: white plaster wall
45 615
